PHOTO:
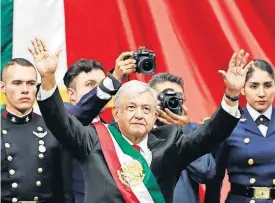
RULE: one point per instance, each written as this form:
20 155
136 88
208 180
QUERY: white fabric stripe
42 19
140 190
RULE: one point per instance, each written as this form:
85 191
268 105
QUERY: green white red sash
128 167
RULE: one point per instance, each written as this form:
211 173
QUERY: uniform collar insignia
243 119
17 119
13 119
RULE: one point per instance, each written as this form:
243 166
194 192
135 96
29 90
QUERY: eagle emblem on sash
131 173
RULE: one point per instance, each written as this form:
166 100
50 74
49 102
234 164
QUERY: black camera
171 100
145 61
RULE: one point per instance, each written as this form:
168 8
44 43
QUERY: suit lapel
248 123
153 142
271 126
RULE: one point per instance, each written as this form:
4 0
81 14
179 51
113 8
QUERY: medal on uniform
39 134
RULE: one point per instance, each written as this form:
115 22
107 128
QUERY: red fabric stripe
5 112
113 163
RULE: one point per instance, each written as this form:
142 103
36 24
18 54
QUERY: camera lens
146 65
173 103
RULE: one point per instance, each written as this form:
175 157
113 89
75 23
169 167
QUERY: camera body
145 61
171 100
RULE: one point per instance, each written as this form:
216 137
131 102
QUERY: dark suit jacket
171 152
198 172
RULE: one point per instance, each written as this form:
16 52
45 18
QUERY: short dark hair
166 77
262 65
19 61
82 65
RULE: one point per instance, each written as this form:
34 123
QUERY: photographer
173 111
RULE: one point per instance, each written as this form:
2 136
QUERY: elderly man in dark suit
131 162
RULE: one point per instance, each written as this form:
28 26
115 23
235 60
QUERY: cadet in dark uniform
30 154
249 153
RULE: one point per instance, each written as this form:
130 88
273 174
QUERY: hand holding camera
124 67
171 109
145 61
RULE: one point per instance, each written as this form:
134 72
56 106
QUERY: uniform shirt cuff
232 110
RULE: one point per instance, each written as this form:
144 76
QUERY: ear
72 95
115 113
242 91
2 86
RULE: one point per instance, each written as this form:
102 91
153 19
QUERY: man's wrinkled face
135 116
83 83
19 86
259 90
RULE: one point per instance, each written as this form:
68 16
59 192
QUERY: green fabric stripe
6 31
149 180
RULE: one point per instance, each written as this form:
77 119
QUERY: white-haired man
131 162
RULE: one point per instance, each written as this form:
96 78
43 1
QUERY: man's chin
24 108
138 133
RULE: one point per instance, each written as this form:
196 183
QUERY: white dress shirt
144 150
255 114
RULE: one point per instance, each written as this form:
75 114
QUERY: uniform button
246 140
7 145
252 180
12 172
9 158
4 132
273 181
38 183
252 201
41 142
14 200
39 128
35 198
41 156
41 148
14 185
250 161
40 170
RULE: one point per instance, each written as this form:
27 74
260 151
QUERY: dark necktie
136 147
262 120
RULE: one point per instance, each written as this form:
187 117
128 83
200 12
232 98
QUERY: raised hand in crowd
46 63
234 78
124 67
168 117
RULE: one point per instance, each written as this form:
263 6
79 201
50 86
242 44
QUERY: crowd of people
149 152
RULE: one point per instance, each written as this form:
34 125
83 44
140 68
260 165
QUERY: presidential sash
128 168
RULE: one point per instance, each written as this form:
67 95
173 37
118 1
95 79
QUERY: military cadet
30 154
249 153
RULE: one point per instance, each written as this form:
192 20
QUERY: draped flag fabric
192 39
